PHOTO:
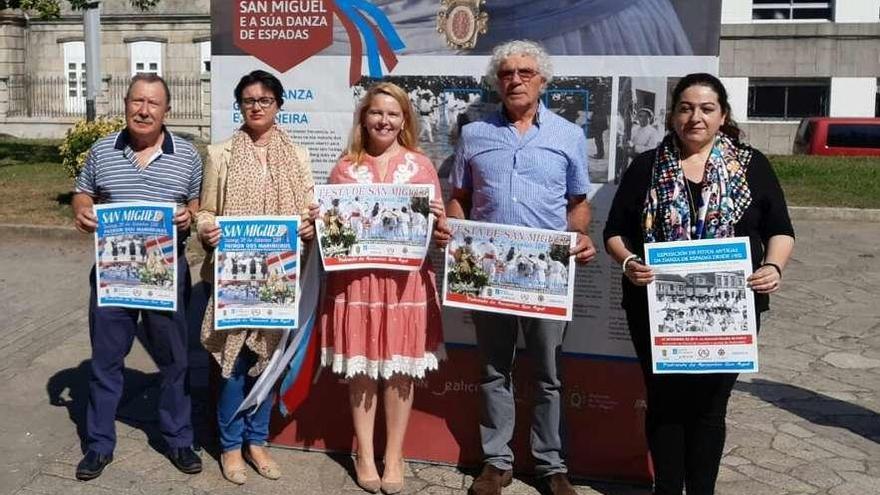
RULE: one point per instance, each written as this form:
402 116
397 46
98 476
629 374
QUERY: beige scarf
281 188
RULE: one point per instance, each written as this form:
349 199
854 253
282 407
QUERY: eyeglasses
264 102
525 75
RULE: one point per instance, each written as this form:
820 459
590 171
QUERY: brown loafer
558 484
490 481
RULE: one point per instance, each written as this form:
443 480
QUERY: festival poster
136 255
702 313
510 270
256 272
386 226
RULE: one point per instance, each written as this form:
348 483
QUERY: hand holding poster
701 311
374 225
508 269
136 255
256 272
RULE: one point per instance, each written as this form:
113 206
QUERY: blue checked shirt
522 179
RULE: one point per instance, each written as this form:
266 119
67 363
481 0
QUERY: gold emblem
462 21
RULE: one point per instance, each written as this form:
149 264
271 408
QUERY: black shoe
91 466
185 460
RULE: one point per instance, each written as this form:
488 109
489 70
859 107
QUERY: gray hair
149 78
519 47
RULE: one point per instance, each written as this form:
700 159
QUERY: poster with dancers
136 255
385 226
510 270
256 272
702 312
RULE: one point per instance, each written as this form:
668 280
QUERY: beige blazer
213 196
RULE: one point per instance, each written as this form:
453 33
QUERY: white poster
385 226
510 270
702 313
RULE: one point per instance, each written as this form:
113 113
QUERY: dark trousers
685 419
112 331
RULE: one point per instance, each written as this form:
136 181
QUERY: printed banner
136 255
510 270
374 225
702 313
256 271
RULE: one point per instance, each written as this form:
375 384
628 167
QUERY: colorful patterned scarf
282 188
725 194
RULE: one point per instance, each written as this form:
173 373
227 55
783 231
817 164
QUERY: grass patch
829 180
33 187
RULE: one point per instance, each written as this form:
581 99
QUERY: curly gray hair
519 47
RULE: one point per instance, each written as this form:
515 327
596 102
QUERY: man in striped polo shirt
143 162
523 166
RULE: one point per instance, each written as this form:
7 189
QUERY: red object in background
282 40
604 410
853 136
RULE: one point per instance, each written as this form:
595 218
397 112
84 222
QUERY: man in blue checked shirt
143 162
523 166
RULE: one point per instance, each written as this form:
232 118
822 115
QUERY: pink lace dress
382 322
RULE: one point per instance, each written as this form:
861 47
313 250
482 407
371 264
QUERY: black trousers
685 419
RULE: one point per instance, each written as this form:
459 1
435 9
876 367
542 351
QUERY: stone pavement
808 423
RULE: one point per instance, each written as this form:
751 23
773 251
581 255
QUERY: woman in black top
700 182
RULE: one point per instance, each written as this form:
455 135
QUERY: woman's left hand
441 233
765 280
307 229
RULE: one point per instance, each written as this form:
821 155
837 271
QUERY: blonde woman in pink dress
383 326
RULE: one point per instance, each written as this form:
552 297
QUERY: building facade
782 60
42 65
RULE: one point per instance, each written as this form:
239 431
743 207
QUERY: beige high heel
393 487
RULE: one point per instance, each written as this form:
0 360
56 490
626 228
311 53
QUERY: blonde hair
409 133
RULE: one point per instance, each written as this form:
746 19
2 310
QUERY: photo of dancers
135 260
701 302
364 225
503 263
251 278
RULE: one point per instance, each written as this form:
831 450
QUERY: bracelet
774 265
627 260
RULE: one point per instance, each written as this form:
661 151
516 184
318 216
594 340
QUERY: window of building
788 98
791 10
205 56
146 57
75 76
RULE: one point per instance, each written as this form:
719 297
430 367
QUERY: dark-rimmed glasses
264 102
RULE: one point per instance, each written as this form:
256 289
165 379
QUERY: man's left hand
583 250
183 218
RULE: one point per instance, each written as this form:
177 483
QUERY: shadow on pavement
815 407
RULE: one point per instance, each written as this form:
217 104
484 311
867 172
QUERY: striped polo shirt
522 179
111 173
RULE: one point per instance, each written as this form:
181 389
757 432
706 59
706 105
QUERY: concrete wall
773 138
738 96
181 39
12 44
857 11
800 50
736 11
853 96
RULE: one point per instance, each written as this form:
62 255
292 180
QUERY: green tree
51 9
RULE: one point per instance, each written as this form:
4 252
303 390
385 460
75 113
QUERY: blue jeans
244 427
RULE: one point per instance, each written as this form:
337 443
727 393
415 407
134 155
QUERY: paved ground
808 423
